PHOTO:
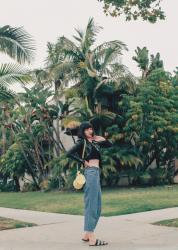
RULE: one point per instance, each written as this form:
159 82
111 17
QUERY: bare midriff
93 163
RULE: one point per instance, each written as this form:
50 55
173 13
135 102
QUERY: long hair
83 126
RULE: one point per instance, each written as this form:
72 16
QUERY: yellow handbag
80 178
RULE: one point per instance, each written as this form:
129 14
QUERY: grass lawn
6 223
115 201
169 223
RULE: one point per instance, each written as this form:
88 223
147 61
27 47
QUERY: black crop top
94 153
92 150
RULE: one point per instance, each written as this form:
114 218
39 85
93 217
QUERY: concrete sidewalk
64 232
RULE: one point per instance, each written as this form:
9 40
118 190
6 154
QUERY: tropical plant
95 72
151 120
145 64
18 44
29 126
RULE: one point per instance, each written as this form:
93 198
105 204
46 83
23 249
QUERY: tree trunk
17 184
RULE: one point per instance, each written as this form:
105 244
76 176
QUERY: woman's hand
106 135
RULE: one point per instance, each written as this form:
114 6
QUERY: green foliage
12 162
149 10
29 187
158 176
16 43
146 64
29 126
151 120
53 183
8 187
91 68
139 114
64 170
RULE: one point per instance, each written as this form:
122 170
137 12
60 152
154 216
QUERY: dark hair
83 126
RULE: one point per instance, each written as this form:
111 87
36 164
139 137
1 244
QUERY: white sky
46 20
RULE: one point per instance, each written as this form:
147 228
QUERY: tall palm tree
81 60
90 68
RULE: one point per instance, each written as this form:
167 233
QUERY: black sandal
99 243
85 240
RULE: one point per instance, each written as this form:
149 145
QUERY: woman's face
88 132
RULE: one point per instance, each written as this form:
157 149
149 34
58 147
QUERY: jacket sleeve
75 150
105 144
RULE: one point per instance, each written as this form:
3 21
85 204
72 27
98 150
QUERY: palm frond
104 118
118 74
41 76
80 36
13 73
70 49
100 50
89 36
52 53
64 68
17 43
5 93
110 55
123 75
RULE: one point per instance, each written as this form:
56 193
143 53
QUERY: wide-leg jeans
92 198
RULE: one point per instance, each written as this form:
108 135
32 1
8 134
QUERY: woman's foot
92 239
99 242
89 237
85 237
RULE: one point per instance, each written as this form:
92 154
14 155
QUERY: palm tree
145 64
18 44
86 65
91 69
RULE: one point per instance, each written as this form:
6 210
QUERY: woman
92 187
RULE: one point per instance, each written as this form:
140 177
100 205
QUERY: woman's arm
104 143
74 150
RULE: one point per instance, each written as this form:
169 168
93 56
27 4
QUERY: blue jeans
92 198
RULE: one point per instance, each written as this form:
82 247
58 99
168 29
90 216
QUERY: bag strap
84 148
82 153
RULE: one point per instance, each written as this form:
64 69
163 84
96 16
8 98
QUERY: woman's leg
99 204
92 201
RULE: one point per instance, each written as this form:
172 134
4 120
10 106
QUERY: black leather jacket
75 152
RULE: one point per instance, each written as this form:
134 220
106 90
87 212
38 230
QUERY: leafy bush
54 183
158 176
63 171
8 187
29 186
